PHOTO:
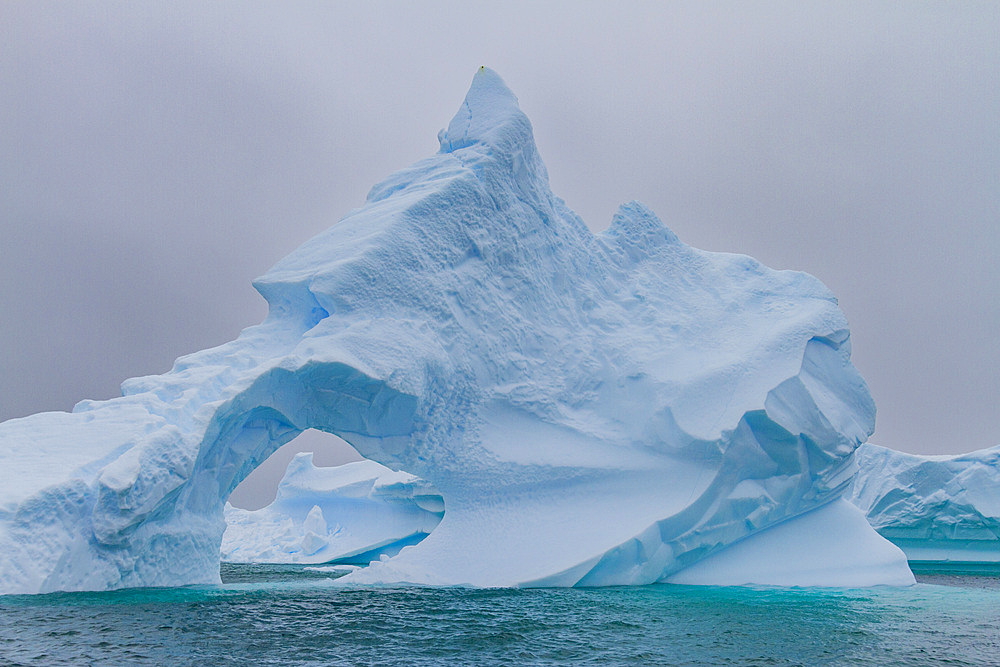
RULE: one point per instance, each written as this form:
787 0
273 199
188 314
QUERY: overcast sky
155 157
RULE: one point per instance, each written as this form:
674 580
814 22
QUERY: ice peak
300 463
488 114
635 221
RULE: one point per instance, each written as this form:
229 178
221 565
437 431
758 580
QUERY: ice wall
935 508
595 409
353 513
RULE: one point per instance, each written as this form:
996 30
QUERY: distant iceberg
353 513
594 409
935 508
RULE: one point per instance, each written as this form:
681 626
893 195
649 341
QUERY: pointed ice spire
635 223
298 468
489 115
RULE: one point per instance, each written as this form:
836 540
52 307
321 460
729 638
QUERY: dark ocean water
285 615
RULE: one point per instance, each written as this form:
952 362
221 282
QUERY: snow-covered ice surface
809 550
595 409
935 508
353 513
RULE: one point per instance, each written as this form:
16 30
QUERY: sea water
292 615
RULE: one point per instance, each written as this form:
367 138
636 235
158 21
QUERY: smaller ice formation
935 508
354 513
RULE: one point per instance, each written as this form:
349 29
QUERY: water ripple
282 617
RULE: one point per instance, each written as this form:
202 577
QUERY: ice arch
281 404
594 409
149 511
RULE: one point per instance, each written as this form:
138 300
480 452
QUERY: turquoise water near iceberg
288 615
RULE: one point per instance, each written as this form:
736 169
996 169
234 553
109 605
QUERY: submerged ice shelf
354 513
935 508
595 409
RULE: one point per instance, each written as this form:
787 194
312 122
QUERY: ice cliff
935 508
595 409
354 513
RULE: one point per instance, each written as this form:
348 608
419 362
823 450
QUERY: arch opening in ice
351 511
259 488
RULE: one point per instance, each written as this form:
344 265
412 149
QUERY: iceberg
349 514
935 508
594 409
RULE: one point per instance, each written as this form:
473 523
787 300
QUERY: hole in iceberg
261 486
315 500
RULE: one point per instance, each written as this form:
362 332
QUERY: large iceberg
935 508
595 409
354 513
